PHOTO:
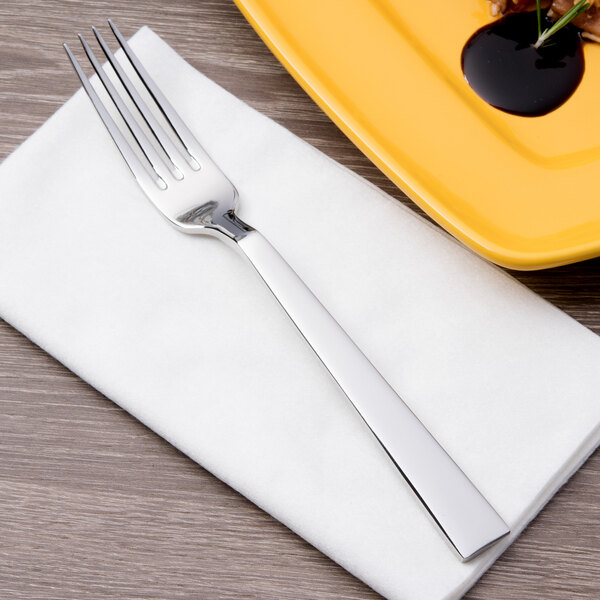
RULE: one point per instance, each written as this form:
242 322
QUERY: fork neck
210 218
230 225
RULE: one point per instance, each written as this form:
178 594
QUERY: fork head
170 165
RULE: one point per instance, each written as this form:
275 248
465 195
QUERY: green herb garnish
577 9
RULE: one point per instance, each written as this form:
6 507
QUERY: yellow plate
519 191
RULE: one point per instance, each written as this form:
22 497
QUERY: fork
188 188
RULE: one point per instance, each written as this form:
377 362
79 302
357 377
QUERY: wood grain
94 505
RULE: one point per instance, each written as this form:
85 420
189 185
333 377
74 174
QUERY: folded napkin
181 332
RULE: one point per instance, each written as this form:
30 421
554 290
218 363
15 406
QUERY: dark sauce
502 66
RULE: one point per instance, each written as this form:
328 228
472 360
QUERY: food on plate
588 22
529 61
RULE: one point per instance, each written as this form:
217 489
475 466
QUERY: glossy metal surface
196 197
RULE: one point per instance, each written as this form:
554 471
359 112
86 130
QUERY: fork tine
140 171
186 137
146 146
163 139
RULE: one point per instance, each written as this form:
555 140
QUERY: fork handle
464 516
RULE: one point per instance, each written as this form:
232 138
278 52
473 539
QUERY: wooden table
93 504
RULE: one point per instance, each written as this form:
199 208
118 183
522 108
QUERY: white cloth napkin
180 332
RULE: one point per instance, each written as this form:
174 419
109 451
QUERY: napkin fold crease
180 332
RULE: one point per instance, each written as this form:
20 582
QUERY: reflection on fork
190 190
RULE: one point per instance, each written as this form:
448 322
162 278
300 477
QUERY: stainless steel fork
190 190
